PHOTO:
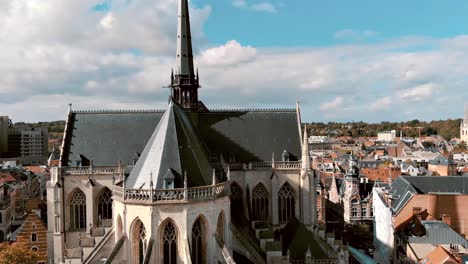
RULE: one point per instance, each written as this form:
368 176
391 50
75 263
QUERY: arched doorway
77 210
139 241
260 202
199 241
286 203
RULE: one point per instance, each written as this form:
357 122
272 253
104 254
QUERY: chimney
447 219
417 210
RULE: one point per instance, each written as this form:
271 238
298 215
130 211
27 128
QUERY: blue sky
315 23
344 60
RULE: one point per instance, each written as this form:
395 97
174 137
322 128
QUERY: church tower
464 127
184 83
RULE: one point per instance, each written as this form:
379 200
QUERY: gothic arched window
105 204
237 205
198 242
169 238
260 202
139 241
220 227
286 203
78 210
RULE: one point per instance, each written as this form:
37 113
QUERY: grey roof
251 135
107 137
247 135
404 187
12 237
438 233
174 147
441 160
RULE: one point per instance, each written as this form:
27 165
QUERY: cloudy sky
344 60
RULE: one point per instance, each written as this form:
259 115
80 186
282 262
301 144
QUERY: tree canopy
17 253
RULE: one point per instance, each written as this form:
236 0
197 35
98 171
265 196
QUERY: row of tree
446 128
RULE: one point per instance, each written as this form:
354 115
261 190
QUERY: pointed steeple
305 150
465 120
184 40
184 83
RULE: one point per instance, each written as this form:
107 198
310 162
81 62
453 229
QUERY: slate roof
174 148
438 233
404 187
107 137
441 160
251 135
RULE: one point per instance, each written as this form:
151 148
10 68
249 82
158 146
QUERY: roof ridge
105 111
251 109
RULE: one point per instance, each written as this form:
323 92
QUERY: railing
90 170
180 194
288 165
262 165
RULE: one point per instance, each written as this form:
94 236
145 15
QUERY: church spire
184 84
184 41
305 151
465 120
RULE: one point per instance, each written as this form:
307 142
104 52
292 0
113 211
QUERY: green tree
17 253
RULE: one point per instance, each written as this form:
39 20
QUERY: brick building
381 174
443 166
443 199
34 234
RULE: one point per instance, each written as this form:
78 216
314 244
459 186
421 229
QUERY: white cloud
418 93
59 51
265 7
381 103
107 21
239 3
229 54
332 105
353 34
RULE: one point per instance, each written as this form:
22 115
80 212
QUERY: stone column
307 198
90 215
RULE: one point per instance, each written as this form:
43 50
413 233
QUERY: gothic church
182 185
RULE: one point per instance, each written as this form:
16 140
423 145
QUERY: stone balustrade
180 194
90 170
264 165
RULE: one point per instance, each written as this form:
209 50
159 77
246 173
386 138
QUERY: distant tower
184 83
464 127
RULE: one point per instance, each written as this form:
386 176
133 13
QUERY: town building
464 127
186 184
443 166
408 216
352 196
386 136
29 145
33 233
4 125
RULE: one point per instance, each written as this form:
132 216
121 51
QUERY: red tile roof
439 256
